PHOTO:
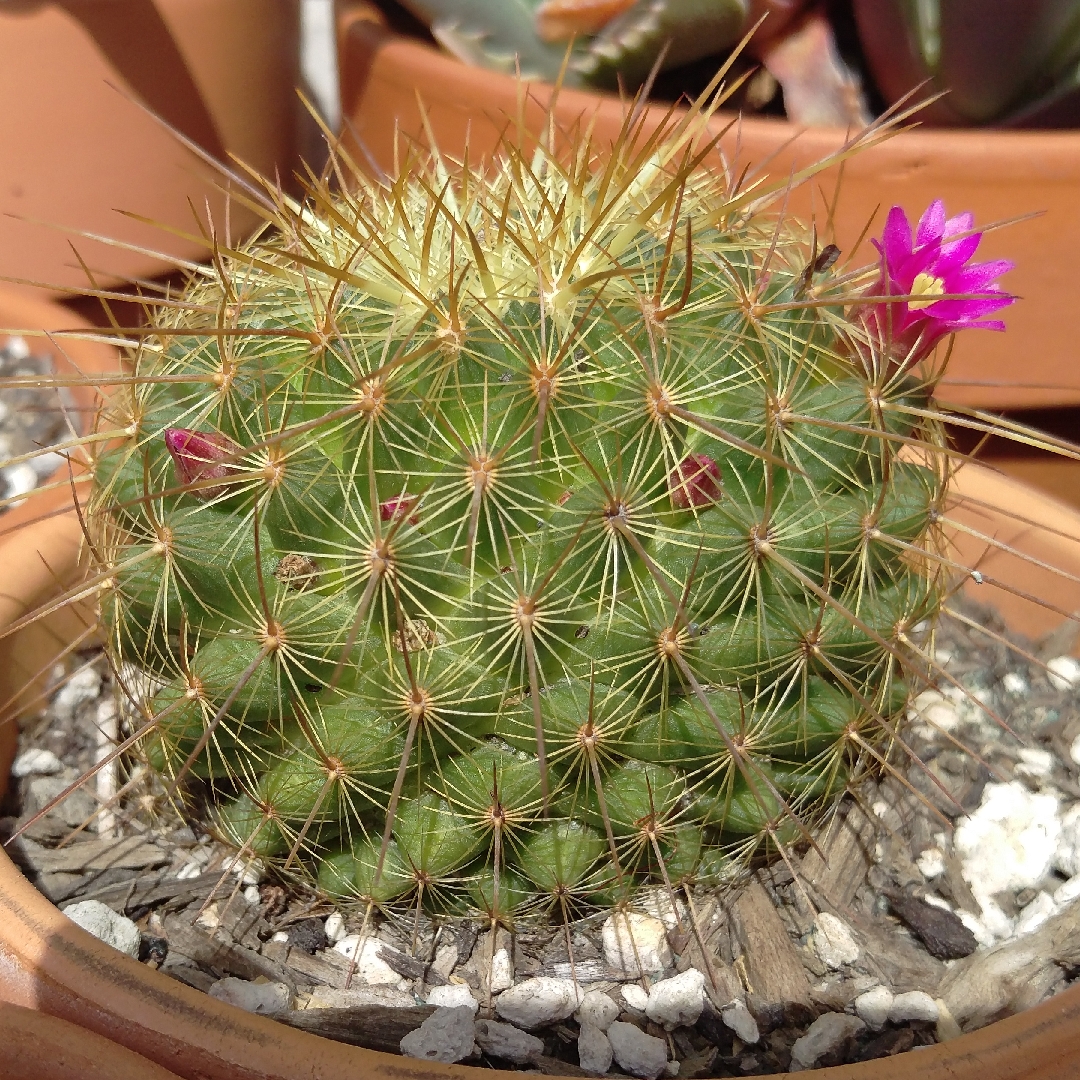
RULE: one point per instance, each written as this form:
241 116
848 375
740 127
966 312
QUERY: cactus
508 541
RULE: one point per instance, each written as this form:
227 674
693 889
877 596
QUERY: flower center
925 285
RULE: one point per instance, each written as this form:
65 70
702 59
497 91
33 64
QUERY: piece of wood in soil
779 991
839 870
375 1027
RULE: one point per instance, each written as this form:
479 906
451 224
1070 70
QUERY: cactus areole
504 542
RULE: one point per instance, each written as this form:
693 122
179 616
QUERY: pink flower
200 456
935 263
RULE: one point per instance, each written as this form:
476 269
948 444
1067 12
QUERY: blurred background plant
836 62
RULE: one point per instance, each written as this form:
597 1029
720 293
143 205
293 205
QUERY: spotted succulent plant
507 540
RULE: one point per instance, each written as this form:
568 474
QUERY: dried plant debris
937 901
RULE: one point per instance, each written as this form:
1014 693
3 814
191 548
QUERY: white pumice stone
35 762
826 1034
1009 842
1035 914
740 1020
1034 762
1068 892
532 1003
502 971
635 997
597 1009
83 686
833 941
508 1042
334 927
371 968
453 996
265 998
1063 672
249 871
1014 683
447 1035
635 1052
678 1001
873 1007
658 901
931 862
594 1050
914 1005
106 925
1074 751
635 945
1067 851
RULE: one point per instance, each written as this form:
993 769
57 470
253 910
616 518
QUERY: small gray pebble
447 1035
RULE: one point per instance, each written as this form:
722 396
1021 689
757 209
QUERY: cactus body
519 539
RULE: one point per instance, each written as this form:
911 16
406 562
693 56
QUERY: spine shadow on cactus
506 542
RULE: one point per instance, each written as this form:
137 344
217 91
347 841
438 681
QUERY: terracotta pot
997 175
49 964
42 1047
79 146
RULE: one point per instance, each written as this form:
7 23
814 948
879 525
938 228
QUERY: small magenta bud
200 456
695 481
397 507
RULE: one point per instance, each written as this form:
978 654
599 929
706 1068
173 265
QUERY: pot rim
396 89
361 26
42 1047
50 964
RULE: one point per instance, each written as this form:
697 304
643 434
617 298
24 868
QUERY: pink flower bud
398 507
200 456
695 481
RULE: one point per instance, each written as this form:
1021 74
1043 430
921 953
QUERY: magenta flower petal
931 224
967 312
962 223
958 252
936 263
980 276
896 237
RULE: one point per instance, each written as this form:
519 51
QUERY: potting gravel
938 901
31 418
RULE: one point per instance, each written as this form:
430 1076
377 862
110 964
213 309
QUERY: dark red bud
200 456
397 507
695 481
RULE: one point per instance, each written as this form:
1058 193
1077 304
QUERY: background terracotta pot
49 964
997 175
77 147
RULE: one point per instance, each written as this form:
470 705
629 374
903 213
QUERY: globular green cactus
506 541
